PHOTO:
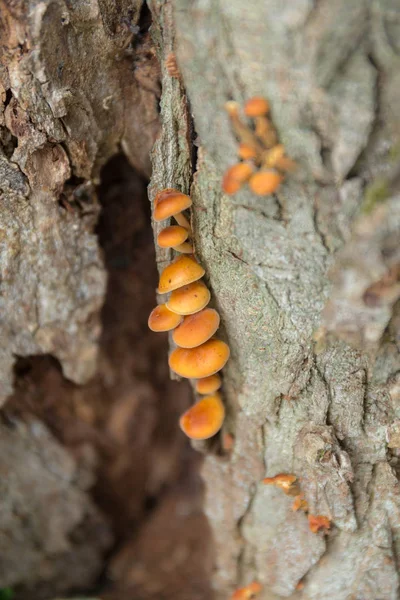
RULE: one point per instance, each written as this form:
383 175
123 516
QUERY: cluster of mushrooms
198 355
263 162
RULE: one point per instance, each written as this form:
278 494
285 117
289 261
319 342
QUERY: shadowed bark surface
306 282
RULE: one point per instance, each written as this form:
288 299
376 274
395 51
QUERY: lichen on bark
299 398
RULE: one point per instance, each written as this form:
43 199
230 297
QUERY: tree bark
306 281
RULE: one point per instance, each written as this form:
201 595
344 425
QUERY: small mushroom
205 360
204 419
256 107
163 319
247 593
189 299
284 481
172 236
236 176
196 328
319 522
182 271
170 203
247 151
208 385
265 182
300 503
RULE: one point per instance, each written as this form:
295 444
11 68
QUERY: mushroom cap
256 107
190 298
265 182
205 360
208 385
182 271
168 203
204 419
163 319
172 236
246 151
196 329
235 176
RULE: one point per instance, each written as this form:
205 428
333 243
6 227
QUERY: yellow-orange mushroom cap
182 271
235 176
205 360
189 299
204 419
208 385
265 182
172 236
163 319
256 107
196 329
168 203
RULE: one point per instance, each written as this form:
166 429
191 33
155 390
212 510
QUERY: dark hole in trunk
147 475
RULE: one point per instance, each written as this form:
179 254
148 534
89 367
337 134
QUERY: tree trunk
306 280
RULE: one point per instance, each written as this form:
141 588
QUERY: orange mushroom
256 107
163 319
300 503
265 182
172 236
205 360
204 419
189 299
247 151
196 329
170 203
182 271
283 481
247 593
236 176
319 522
208 385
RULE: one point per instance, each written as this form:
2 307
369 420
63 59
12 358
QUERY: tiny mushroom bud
300 503
172 236
232 108
182 271
208 385
236 176
168 203
204 419
163 319
196 329
247 593
283 481
265 182
189 299
317 522
205 360
256 107
273 155
246 151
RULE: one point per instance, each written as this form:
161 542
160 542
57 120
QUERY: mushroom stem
182 221
185 248
265 131
244 134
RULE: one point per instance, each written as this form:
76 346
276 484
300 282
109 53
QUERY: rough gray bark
70 96
306 281
300 398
